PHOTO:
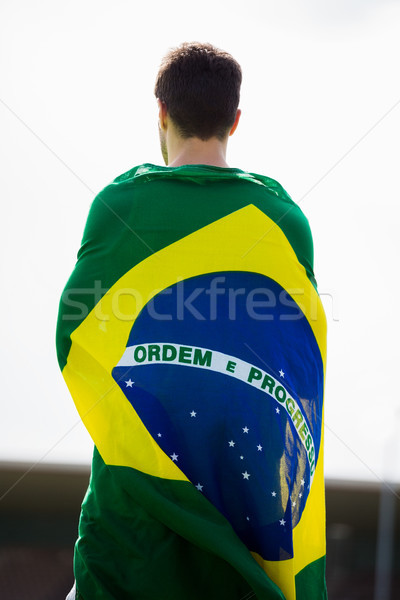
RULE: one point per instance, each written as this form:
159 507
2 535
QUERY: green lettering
297 418
280 394
254 374
139 354
168 352
311 455
290 405
308 442
303 431
268 382
202 359
153 352
185 355
231 366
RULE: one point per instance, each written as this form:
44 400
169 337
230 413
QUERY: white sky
321 114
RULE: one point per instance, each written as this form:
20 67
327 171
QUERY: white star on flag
293 503
246 475
199 487
245 429
231 443
129 383
277 411
247 518
193 413
300 495
241 457
259 447
281 373
159 434
273 494
302 482
282 522
174 457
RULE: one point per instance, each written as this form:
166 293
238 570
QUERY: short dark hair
200 85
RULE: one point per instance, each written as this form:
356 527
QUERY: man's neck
193 151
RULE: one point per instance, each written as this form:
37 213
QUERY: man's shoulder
267 182
127 176
275 199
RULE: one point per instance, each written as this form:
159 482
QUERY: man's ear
162 114
238 113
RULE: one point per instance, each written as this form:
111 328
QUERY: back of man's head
200 86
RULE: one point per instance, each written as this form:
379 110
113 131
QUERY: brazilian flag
192 339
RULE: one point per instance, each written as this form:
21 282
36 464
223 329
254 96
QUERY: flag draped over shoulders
192 339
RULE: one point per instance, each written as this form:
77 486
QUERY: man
192 339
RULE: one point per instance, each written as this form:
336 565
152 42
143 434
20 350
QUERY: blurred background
321 114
